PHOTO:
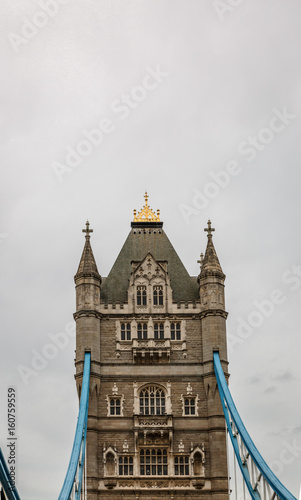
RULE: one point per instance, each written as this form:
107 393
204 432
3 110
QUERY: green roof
140 242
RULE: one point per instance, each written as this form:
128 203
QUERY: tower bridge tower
155 426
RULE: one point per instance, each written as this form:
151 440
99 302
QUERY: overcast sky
199 103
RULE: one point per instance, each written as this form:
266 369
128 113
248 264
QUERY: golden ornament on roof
146 214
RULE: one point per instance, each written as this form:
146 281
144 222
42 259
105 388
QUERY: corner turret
87 278
211 278
212 296
87 315
213 319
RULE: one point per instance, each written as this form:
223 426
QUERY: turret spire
210 263
87 266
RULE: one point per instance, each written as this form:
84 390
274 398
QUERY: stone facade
155 426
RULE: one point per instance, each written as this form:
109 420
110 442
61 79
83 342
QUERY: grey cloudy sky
198 104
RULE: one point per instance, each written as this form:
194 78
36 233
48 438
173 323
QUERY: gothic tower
156 425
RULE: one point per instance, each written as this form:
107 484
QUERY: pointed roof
144 239
87 266
210 263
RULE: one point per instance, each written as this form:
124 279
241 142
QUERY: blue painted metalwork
9 489
82 460
78 451
237 429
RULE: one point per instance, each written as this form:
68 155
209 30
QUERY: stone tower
156 427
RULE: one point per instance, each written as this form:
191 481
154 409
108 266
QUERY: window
159 331
115 406
152 401
181 465
158 295
175 331
126 466
141 295
153 462
142 331
125 331
189 406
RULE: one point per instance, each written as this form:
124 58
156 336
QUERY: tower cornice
92 313
213 312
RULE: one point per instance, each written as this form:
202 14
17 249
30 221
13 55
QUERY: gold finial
210 229
87 230
146 214
146 198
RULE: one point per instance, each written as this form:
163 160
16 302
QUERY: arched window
175 331
159 331
189 406
142 331
115 406
125 331
158 295
153 462
152 401
141 296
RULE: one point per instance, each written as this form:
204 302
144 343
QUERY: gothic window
125 331
181 465
158 295
115 406
125 466
152 401
189 406
153 462
159 331
142 331
141 295
175 331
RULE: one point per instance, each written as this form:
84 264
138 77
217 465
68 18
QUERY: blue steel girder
74 475
256 473
10 489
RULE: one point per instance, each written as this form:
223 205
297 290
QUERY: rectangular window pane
172 331
182 466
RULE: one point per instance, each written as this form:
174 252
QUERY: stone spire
210 264
87 266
